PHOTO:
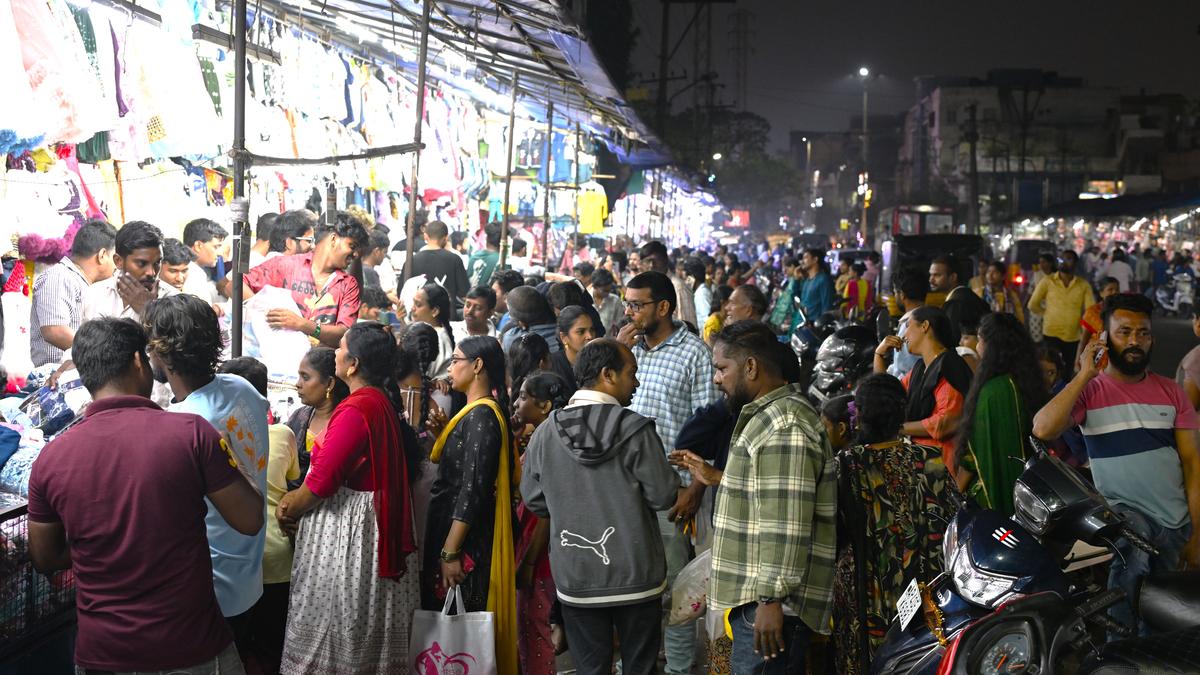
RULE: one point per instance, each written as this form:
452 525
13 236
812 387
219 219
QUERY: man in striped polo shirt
1140 432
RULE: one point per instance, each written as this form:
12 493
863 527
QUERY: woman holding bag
354 578
469 536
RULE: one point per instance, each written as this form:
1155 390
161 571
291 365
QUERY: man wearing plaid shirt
774 534
676 377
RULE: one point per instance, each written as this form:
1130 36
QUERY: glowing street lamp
717 156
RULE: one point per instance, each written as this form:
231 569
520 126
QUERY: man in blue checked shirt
676 376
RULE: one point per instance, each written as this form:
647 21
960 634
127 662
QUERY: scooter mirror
883 325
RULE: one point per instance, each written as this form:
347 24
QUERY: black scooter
992 562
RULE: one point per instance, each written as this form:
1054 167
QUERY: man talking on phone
1140 431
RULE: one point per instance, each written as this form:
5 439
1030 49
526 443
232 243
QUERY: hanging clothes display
593 208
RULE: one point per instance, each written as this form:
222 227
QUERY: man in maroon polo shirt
327 297
129 483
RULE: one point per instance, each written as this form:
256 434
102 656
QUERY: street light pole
865 74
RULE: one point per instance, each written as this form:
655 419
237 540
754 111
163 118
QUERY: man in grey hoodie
598 472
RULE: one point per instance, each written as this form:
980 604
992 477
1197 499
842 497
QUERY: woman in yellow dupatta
469 536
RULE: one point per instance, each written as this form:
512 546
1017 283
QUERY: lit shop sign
739 219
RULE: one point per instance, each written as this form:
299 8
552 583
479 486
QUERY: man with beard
1140 431
184 348
326 296
961 306
138 258
774 538
1061 299
675 370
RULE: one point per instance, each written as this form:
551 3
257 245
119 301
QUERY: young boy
374 303
1092 323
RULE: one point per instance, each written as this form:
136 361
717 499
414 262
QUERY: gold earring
328 393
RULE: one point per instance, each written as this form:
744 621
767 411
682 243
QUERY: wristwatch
447 556
764 600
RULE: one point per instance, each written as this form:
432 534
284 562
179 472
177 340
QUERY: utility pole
741 35
973 170
865 74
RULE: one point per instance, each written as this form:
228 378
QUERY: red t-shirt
132 503
335 304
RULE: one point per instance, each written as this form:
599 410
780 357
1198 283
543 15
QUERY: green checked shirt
776 511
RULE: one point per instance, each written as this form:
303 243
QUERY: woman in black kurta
465 490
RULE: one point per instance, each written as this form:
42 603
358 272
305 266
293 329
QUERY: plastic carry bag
280 350
458 644
689 593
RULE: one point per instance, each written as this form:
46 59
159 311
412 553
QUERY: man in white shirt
1121 270
138 257
205 238
262 238
478 308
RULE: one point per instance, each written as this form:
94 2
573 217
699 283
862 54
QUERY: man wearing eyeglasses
676 375
326 296
293 233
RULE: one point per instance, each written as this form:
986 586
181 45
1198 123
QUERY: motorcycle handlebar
1114 627
1137 540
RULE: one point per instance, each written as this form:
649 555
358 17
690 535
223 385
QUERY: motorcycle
1176 297
993 561
844 357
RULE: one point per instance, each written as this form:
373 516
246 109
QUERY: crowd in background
559 444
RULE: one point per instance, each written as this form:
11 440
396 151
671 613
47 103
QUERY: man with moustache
138 258
1140 431
774 536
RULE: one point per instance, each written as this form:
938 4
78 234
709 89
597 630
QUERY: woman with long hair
529 353
575 329
319 391
541 394
432 305
469 536
936 385
894 498
354 527
716 318
1007 390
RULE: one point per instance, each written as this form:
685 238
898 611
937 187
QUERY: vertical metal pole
512 133
575 215
866 171
241 229
410 226
546 187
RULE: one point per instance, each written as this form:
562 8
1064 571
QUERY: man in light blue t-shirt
185 347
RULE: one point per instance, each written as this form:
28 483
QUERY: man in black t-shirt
440 265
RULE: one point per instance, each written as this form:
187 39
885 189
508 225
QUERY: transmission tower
741 34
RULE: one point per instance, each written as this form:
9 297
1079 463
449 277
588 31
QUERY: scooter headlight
1031 511
978 587
950 542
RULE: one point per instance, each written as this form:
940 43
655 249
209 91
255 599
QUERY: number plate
909 604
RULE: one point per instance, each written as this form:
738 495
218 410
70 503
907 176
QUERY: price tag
909 604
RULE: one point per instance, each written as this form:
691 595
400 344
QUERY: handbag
460 644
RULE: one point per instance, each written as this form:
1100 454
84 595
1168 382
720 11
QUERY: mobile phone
1103 338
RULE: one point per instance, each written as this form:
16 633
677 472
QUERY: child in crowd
374 305
540 393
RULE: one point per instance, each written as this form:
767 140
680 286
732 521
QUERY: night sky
807 51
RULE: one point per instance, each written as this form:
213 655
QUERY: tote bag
460 644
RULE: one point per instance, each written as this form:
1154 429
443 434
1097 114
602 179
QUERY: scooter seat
1171 601
1174 652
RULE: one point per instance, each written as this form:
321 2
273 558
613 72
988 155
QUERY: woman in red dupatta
351 598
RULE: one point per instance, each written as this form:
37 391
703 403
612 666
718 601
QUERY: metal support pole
241 229
512 132
546 187
866 171
410 226
575 215
660 107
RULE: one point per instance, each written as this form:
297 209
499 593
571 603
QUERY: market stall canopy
488 41
1132 206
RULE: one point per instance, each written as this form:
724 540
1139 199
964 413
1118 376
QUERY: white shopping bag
279 349
689 593
459 644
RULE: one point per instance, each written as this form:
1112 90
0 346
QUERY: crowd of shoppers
559 447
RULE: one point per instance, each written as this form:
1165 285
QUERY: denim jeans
226 663
679 642
590 631
1131 564
744 661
